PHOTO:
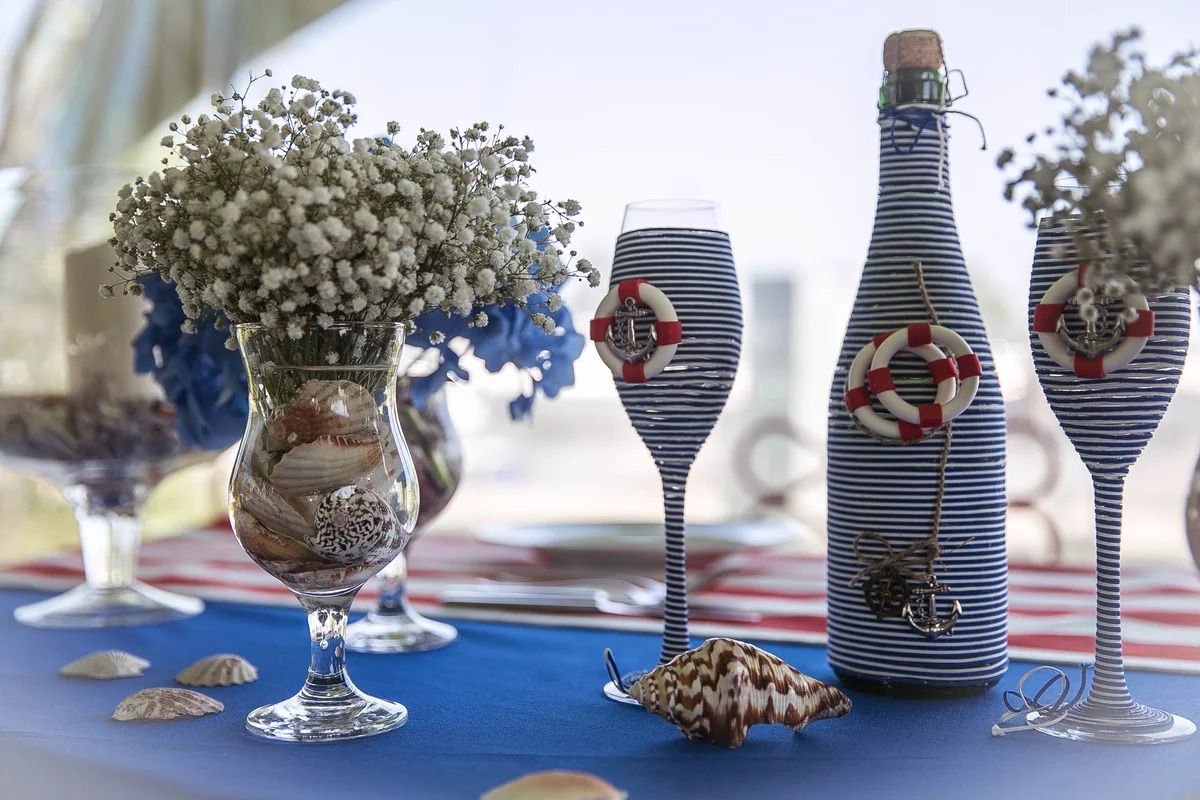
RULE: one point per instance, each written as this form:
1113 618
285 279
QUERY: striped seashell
162 703
224 669
105 665
324 408
260 543
352 523
718 690
276 513
325 464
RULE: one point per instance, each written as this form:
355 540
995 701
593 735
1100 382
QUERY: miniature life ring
858 396
668 331
1048 313
968 370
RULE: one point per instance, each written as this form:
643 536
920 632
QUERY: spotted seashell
225 669
325 464
106 664
324 408
276 513
266 546
351 523
718 690
162 703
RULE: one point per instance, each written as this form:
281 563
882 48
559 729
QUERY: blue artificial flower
508 338
199 375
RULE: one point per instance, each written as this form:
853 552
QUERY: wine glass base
1137 725
617 694
402 631
344 713
91 607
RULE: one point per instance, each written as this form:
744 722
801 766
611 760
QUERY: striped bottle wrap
1109 421
890 489
675 411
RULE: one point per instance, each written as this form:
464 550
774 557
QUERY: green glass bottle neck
908 86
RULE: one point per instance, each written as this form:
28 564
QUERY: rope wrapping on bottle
919 118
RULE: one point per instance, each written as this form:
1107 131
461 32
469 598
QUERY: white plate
640 543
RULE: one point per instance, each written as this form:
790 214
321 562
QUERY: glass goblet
323 495
72 409
394 626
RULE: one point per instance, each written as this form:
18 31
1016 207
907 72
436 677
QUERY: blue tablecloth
509 699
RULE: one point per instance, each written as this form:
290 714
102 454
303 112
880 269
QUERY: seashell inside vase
717 691
223 669
323 408
325 464
351 523
163 703
106 665
281 515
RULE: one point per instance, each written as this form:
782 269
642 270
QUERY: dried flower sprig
274 216
1124 167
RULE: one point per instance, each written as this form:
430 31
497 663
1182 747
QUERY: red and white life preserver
668 330
1049 311
858 396
968 370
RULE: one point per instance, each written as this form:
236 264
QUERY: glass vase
393 626
323 496
72 409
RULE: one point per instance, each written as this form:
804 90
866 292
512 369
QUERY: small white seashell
106 664
352 523
224 669
162 703
324 408
325 464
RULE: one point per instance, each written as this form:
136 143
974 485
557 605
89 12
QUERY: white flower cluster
274 216
1125 162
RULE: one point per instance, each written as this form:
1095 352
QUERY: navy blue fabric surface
509 699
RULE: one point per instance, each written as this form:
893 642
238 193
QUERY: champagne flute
1109 419
678 248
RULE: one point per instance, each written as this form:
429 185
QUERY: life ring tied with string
952 363
634 351
1105 345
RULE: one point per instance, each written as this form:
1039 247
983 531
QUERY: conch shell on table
223 669
105 665
162 703
323 408
718 690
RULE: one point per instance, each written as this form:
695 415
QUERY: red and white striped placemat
1051 609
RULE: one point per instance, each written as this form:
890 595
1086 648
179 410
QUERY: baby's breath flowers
267 213
1124 168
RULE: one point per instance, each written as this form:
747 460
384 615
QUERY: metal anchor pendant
921 610
622 334
1098 337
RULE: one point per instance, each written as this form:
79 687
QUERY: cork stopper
913 48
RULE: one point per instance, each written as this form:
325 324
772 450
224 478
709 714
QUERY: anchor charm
622 334
921 610
1093 341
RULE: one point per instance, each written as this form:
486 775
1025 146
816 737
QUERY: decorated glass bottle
917 571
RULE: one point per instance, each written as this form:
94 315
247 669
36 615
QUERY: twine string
886 578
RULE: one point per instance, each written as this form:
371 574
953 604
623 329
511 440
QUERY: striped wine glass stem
1108 684
675 607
